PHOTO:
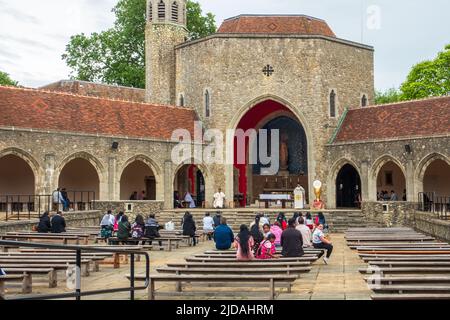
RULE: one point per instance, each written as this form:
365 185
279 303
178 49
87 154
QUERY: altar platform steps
338 220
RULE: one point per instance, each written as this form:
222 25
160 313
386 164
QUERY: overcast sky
33 34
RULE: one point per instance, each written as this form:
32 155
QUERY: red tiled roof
299 25
429 117
35 109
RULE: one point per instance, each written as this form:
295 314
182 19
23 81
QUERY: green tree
5 80
117 55
429 78
389 96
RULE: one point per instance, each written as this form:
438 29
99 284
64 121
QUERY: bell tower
166 28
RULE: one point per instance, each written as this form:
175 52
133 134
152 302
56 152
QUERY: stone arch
375 171
424 165
96 164
33 164
229 169
152 165
333 175
208 177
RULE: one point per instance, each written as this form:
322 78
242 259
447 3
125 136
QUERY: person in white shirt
58 198
108 220
219 200
208 225
305 231
320 242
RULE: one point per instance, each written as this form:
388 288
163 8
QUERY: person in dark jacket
223 236
44 225
292 241
152 228
189 228
58 223
124 230
217 219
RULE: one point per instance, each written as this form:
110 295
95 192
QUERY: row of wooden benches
221 269
402 264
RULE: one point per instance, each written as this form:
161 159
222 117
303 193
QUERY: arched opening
150 11
436 179
332 104
174 11
207 104
137 182
161 10
16 176
253 177
391 178
364 101
81 176
189 178
348 187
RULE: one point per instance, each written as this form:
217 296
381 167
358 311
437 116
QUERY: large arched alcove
190 178
390 178
436 178
348 187
79 175
252 177
16 176
138 177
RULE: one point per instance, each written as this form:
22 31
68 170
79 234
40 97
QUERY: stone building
286 72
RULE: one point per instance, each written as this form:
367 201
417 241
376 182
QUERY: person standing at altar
219 199
300 197
188 198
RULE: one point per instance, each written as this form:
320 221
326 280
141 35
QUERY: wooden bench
406 270
50 272
233 259
225 265
412 279
82 236
39 238
25 279
170 241
16 264
271 280
411 296
410 263
71 260
206 270
417 288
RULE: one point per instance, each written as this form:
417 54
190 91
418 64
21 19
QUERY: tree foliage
117 55
426 79
5 80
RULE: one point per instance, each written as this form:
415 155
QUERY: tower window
332 104
161 10
181 100
150 12
175 11
364 101
207 104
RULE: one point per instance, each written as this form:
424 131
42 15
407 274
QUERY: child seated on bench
267 249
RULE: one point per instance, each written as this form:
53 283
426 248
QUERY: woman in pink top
244 244
277 232
267 249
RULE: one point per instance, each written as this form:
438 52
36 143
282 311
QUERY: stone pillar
113 183
168 185
365 176
411 191
50 180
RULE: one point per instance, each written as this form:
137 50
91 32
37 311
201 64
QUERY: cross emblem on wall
268 70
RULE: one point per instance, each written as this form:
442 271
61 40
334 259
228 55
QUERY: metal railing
78 293
24 206
438 205
17 207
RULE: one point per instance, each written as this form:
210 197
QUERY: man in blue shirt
223 236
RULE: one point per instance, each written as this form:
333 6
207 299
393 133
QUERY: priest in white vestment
219 200
300 197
